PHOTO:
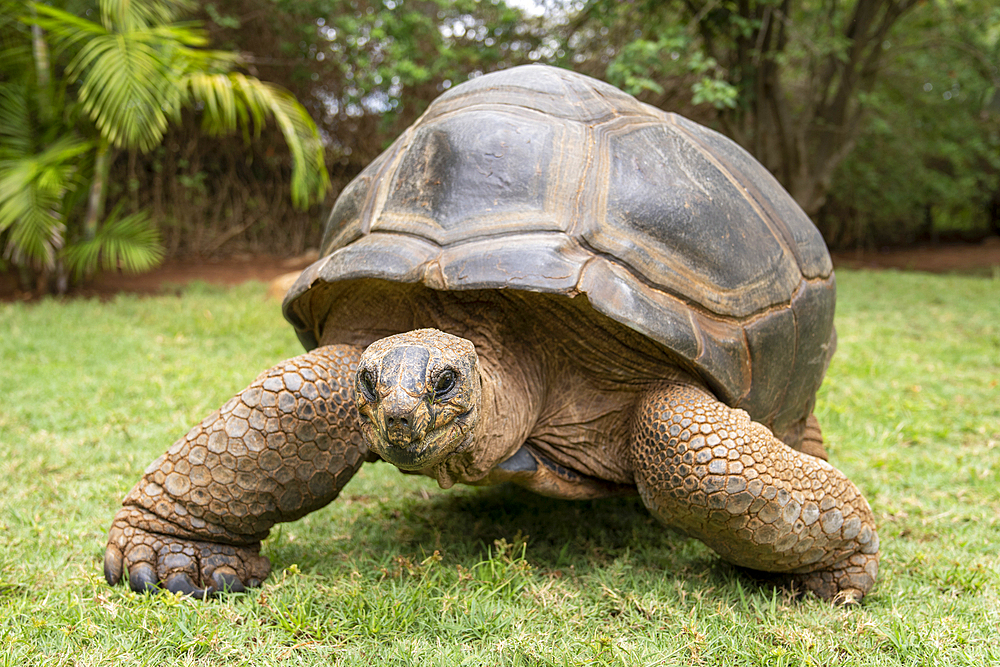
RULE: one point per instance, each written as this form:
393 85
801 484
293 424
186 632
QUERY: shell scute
554 92
402 260
612 290
546 262
815 342
787 220
761 333
723 357
486 173
677 218
350 217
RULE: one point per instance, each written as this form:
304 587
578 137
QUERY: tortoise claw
113 564
179 582
155 560
142 578
225 580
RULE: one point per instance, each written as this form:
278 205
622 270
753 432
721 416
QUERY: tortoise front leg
710 471
283 447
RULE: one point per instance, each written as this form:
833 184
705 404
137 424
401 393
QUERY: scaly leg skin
710 471
812 439
283 447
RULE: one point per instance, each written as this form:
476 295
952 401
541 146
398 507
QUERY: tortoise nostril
398 430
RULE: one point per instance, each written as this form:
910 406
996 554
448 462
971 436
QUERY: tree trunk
95 200
801 134
41 53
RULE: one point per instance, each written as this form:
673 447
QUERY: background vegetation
81 87
399 572
881 117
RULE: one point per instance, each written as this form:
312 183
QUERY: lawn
397 571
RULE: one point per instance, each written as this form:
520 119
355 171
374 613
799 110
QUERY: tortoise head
418 394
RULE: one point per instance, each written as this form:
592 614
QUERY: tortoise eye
367 382
445 383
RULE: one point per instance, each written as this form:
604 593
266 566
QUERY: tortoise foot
843 584
846 583
158 560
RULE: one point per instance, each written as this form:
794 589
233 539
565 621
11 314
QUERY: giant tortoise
546 282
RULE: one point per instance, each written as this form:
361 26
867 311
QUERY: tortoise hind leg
284 446
812 439
805 436
716 475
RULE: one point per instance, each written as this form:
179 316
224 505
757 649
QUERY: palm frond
186 38
131 243
32 188
65 30
310 180
130 15
33 184
15 58
17 135
32 193
124 90
132 72
233 100
37 236
125 69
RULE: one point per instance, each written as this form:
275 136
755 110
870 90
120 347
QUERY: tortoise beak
405 419
404 442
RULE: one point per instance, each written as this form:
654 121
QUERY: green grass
399 572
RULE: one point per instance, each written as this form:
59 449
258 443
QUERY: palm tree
126 77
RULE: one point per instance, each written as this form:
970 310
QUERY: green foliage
904 91
130 243
34 187
719 94
828 95
116 83
928 163
232 100
368 68
397 571
138 68
647 66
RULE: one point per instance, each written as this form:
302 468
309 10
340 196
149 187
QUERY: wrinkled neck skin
511 401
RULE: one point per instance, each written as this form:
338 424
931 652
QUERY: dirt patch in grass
173 274
980 258
974 258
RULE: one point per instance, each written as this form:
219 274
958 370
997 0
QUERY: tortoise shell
536 178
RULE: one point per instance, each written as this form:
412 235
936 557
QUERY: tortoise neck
511 400
513 396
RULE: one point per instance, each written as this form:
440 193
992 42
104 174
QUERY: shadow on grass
596 538
554 529
585 535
